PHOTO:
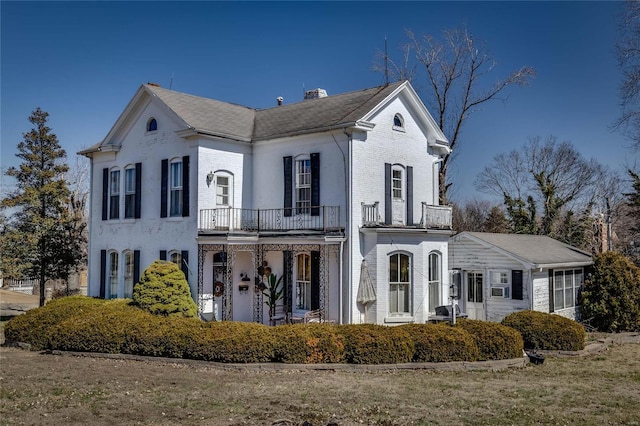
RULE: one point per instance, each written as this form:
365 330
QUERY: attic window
152 125
398 123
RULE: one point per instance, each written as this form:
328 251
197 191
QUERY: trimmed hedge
547 331
441 343
375 344
309 344
494 341
82 323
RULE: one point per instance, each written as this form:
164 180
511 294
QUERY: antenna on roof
171 83
386 63
304 91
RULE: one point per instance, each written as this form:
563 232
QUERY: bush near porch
83 324
545 331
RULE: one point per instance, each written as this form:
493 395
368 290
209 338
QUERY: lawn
603 388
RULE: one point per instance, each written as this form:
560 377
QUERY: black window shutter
164 181
105 194
409 195
287 278
136 267
138 196
315 280
315 184
516 285
551 292
163 255
185 263
185 186
387 194
103 273
288 185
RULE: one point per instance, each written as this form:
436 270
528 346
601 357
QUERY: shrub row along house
336 195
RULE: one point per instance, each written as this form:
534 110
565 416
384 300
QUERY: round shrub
308 344
163 290
34 327
494 341
229 341
441 343
540 330
375 344
611 295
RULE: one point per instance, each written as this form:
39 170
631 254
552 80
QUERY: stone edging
599 345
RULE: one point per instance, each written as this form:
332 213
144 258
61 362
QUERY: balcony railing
327 219
433 217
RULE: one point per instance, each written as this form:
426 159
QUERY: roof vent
279 99
315 94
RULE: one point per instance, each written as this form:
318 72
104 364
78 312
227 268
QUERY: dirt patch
37 388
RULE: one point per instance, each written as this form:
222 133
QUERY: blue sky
83 61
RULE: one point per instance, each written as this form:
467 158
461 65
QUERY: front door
474 290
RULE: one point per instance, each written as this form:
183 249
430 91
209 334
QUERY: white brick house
311 189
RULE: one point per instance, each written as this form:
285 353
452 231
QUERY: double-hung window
500 284
175 196
114 194
566 287
435 277
303 281
222 190
303 186
399 284
129 192
396 182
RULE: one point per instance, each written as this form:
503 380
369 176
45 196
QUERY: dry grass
45 389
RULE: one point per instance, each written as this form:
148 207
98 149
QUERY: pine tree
40 218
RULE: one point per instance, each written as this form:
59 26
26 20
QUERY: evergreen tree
38 239
633 201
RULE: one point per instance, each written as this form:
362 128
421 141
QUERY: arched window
152 125
399 284
113 274
128 274
224 188
176 257
398 122
303 281
435 278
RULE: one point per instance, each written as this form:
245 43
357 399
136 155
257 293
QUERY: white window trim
503 287
146 127
230 182
110 269
438 281
175 188
409 312
294 305
575 288
126 275
401 169
301 209
400 128
113 194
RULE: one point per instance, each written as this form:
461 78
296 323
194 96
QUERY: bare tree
546 176
628 52
479 216
456 68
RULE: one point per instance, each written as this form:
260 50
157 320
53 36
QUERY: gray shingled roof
230 120
536 249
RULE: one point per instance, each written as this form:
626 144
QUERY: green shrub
375 344
228 341
540 330
34 326
441 343
611 296
494 341
163 290
308 344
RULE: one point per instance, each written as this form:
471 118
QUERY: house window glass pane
113 275
478 285
397 184
303 282
128 274
175 202
568 289
558 290
303 186
114 194
399 284
434 281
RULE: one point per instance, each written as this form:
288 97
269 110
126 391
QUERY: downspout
89 227
349 185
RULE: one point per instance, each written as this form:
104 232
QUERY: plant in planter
273 293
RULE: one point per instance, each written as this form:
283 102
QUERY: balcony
322 219
433 217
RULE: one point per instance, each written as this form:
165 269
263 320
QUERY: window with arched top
398 122
435 279
303 282
113 274
399 284
128 273
152 125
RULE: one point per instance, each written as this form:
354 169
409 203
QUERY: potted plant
273 293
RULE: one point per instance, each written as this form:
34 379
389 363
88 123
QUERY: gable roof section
538 250
313 115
